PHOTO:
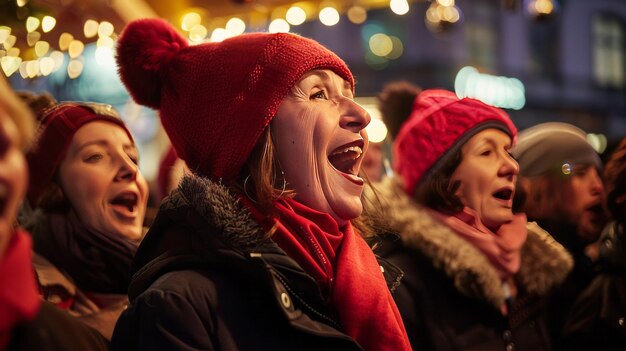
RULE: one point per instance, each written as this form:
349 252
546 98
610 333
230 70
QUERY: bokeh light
48 23
279 25
399 7
235 26
198 33
90 29
218 35
329 16
32 23
190 19
376 130
295 15
380 44
357 14
74 69
493 90
105 29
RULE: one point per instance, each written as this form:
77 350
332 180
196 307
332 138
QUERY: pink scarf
346 270
501 248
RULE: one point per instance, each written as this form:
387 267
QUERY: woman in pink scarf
475 271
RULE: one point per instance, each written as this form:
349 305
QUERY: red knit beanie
440 124
54 135
215 99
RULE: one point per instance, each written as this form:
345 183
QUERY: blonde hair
12 107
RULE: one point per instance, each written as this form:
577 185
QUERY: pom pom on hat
144 48
438 126
546 147
395 103
217 98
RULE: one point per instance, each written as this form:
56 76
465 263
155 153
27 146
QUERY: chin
131 233
347 212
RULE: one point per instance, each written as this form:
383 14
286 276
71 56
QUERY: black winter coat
450 296
53 329
206 277
598 317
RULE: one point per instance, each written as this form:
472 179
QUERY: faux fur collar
224 211
545 263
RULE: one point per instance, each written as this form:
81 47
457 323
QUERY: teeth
356 149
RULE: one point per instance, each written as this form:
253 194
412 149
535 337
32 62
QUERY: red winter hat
440 124
215 99
54 135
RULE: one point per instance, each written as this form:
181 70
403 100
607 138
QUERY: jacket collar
217 221
545 263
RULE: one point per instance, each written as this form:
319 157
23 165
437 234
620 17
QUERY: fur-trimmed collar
545 263
224 211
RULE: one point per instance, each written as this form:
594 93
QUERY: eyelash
93 158
97 157
319 95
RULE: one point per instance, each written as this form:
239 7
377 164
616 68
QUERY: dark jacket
450 296
562 300
207 277
55 330
597 320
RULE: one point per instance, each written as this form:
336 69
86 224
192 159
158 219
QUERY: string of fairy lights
41 58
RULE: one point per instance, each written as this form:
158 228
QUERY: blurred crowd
276 225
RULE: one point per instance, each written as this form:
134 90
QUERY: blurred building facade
571 62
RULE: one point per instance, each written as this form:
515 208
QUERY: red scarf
501 248
19 297
346 270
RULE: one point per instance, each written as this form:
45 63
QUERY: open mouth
126 201
504 194
346 160
596 211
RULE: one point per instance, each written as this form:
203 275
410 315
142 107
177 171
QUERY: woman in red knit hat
475 271
256 249
25 322
90 200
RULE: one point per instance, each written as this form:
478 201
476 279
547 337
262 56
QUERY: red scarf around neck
19 295
346 270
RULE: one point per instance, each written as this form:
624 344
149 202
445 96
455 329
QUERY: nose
595 183
509 167
353 116
127 169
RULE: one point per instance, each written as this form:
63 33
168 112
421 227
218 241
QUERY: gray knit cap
553 146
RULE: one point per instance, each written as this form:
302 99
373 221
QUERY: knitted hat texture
54 135
215 99
440 124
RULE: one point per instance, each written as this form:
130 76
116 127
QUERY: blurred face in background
100 177
582 198
487 175
320 139
13 177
